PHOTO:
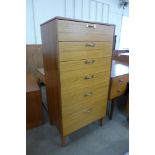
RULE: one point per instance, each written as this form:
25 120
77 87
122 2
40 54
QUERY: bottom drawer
118 86
117 91
83 117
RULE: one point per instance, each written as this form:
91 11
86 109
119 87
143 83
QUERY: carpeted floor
110 139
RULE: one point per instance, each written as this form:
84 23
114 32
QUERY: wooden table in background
118 82
34 116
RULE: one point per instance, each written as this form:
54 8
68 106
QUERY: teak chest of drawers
77 62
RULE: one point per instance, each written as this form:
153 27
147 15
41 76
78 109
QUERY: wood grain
31 84
76 79
51 69
76 31
96 65
79 98
34 58
84 50
34 116
77 62
77 20
83 117
74 73
118 85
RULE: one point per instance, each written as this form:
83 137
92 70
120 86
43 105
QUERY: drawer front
80 79
84 50
120 80
117 91
90 65
77 31
72 99
118 86
83 117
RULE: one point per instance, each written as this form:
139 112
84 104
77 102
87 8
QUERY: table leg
111 110
101 121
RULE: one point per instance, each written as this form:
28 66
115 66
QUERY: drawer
83 117
117 91
83 78
90 65
80 97
118 86
77 31
120 80
84 50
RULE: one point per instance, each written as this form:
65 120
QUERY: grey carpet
110 139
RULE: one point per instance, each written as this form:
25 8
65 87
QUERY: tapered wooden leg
101 121
63 141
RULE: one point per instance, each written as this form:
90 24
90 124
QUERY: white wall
124 39
39 11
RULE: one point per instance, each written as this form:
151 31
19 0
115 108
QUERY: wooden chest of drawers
77 62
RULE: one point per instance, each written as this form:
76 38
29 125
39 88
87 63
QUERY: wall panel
30 27
78 9
95 10
70 8
99 12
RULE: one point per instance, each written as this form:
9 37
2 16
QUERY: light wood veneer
77 62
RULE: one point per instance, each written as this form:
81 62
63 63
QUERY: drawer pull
120 80
88 110
89 61
89 77
91 26
90 44
118 90
88 94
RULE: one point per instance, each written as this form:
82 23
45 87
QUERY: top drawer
78 31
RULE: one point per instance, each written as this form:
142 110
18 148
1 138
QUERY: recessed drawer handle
88 94
90 44
88 110
89 61
89 77
91 26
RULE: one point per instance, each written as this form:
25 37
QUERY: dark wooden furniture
34 115
121 55
77 60
34 58
118 82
